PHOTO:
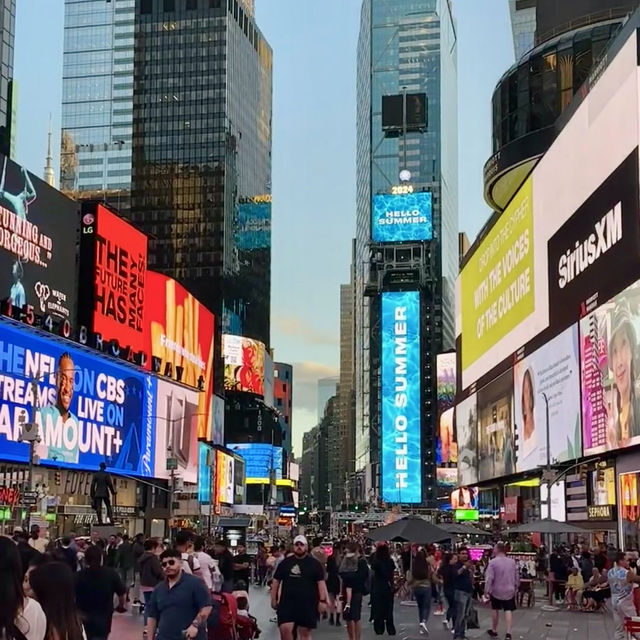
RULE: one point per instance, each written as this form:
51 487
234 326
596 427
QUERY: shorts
503 605
354 613
301 615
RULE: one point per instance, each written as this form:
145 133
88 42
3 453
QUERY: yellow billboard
497 283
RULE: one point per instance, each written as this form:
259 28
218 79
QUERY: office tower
187 147
283 394
523 25
7 84
327 388
405 48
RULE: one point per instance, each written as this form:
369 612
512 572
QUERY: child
240 591
246 625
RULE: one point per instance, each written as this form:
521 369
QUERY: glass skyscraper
404 45
7 83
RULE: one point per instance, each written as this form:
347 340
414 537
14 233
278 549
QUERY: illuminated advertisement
38 227
269 389
467 435
259 459
547 387
602 487
177 430
243 364
218 420
610 374
205 453
401 459
180 335
239 478
464 498
402 218
446 447
629 510
253 225
497 282
496 442
446 477
116 253
92 410
225 478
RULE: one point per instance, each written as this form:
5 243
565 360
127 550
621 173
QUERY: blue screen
259 459
253 226
401 477
402 218
92 409
204 474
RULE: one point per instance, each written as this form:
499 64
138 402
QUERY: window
145 6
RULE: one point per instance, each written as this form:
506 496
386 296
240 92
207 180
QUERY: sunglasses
169 563
300 544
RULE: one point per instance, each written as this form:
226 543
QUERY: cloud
293 327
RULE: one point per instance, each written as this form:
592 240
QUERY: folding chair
632 627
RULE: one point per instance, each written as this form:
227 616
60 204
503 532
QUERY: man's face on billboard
64 384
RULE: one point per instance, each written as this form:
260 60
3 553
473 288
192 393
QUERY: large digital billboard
92 409
402 218
115 253
244 361
205 455
547 400
467 435
610 374
225 478
496 441
179 333
253 225
446 446
259 459
177 430
38 230
629 492
498 280
401 455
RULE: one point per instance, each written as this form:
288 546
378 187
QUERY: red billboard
179 339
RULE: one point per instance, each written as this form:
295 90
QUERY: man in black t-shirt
242 566
298 592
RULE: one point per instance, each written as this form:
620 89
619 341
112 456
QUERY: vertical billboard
446 446
38 230
177 430
225 478
610 374
253 224
401 454
179 336
629 487
91 409
205 453
467 435
402 218
115 253
496 442
244 361
547 401
218 420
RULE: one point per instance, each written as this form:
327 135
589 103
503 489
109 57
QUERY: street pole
404 125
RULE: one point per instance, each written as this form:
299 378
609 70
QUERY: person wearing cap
622 354
298 592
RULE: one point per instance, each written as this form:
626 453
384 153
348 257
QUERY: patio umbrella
547 525
410 529
461 529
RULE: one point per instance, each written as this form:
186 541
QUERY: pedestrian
421 581
448 574
151 573
225 564
20 616
241 566
298 592
96 587
382 590
53 584
501 587
180 605
126 563
463 587
190 563
207 563
68 554
26 551
333 586
37 539
112 552
261 564
621 582
138 552
355 585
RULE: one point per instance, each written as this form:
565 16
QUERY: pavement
529 624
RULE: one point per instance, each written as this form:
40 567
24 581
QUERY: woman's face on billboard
621 362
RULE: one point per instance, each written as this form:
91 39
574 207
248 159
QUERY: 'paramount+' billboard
91 410
402 218
38 227
401 457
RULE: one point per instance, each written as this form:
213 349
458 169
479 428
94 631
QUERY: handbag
472 618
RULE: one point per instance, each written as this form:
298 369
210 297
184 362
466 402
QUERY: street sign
172 464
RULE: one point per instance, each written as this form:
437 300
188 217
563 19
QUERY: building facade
283 395
8 96
327 388
404 46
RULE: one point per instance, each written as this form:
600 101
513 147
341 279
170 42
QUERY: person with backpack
190 563
421 577
150 572
354 573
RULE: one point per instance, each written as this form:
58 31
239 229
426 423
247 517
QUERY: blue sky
313 151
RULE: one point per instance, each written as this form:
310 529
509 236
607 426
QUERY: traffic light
57 477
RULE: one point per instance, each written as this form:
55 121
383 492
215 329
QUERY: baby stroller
247 628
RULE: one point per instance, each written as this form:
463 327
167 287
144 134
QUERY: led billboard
629 511
253 226
610 374
225 478
446 447
467 435
218 420
115 253
496 442
401 456
259 459
38 230
244 361
205 453
464 498
547 388
402 218
179 334
447 477
92 409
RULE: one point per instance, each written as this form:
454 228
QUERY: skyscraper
327 388
405 46
7 83
191 142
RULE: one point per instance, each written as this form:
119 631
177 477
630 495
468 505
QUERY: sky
314 166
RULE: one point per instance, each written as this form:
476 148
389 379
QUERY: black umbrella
547 525
410 529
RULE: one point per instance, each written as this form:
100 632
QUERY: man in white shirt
207 564
190 563
36 541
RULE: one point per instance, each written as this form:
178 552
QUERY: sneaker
424 629
492 633
507 637
445 623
